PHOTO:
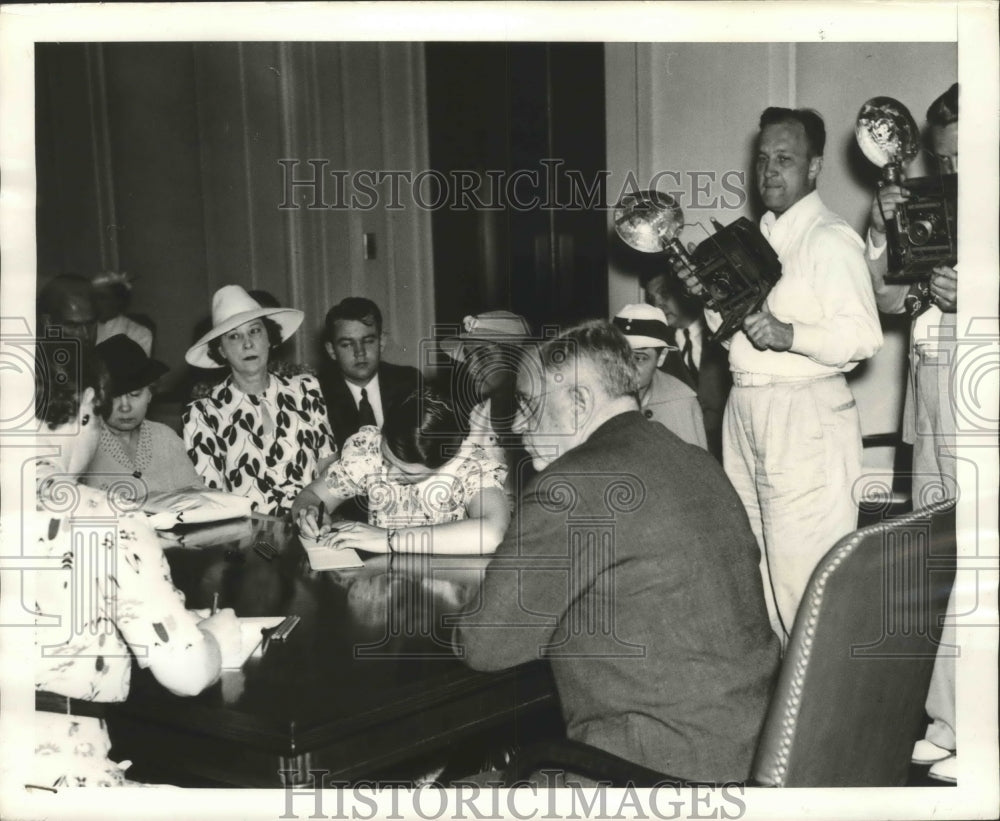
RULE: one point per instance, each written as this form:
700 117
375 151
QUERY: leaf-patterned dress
107 597
439 498
265 446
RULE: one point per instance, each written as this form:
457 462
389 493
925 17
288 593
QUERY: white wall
689 107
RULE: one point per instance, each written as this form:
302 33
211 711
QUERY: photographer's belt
744 379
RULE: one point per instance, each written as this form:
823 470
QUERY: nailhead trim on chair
791 715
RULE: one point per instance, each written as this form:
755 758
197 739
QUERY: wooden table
366 687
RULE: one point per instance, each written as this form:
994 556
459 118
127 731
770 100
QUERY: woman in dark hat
133 451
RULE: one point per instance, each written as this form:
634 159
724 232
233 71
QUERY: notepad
250 639
323 557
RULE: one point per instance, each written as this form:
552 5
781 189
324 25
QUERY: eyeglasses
529 406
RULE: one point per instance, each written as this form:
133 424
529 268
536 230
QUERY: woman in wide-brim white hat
258 434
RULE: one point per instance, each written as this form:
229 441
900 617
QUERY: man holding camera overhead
791 437
929 415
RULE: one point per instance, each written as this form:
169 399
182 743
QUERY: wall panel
166 155
154 149
72 166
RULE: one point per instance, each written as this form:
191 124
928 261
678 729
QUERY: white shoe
927 752
945 770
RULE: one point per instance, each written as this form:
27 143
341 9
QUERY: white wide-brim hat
232 307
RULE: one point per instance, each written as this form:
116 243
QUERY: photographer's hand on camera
884 206
944 288
766 332
890 298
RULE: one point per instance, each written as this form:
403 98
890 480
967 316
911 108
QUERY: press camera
923 232
731 272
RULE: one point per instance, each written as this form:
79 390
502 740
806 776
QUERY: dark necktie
687 354
366 416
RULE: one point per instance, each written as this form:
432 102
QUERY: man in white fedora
257 434
662 397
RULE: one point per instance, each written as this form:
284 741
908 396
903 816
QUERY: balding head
570 385
66 302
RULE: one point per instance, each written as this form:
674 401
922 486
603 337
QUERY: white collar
370 387
776 229
267 395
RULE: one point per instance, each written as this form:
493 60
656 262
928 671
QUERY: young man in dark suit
358 386
699 363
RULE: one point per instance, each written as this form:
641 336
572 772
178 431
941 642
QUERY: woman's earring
86 420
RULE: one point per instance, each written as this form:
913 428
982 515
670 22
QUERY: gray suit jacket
631 566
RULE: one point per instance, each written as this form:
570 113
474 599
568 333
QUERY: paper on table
323 557
250 639
169 508
209 534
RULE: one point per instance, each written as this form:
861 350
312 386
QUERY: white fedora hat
232 307
644 326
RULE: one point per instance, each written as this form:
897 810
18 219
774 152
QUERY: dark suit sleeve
525 591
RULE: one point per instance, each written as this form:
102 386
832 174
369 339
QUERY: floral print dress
106 597
267 447
438 499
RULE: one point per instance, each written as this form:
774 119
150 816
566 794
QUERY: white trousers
793 452
930 418
929 423
940 704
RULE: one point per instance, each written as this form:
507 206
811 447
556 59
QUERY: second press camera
923 232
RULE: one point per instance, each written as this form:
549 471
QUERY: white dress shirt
824 292
694 331
121 324
374 397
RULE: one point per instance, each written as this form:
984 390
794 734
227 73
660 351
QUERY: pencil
215 603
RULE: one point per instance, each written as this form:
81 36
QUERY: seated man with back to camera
630 530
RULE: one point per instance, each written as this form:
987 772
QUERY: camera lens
721 286
919 231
